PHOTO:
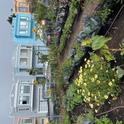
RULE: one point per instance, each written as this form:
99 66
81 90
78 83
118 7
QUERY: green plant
119 1
40 11
99 43
122 48
96 42
72 97
103 120
66 120
69 23
40 81
119 122
91 118
120 72
96 82
67 67
104 13
79 51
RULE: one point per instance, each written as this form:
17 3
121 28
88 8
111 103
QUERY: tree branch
118 107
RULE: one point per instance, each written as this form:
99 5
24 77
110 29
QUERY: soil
117 34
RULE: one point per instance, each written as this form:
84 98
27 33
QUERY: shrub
72 98
96 82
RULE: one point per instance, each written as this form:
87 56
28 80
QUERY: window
24 89
23 61
27 121
23 4
23 100
23 7
23 26
23 109
24 52
43 106
23 70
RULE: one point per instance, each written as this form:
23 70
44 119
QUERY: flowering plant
96 82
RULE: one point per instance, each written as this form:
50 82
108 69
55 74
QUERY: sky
6 52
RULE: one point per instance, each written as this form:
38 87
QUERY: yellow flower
113 80
115 98
96 76
98 104
91 105
95 98
78 91
88 61
92 95
88 93
98 93
91 70
105 96
112 95
110 83
98 81
78 84
96 110
85 59
88 99
92 65
92 79
80 77
80 70
82 94
86 66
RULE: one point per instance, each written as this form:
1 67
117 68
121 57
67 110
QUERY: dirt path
77 27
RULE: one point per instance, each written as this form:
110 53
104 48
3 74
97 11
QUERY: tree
40 12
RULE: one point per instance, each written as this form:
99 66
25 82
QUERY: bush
96 82
91 118
72 98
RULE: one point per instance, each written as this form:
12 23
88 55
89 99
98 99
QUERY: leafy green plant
104 13
106 53
67 67
96 82
78 51
103 120
72 97
40 11
120 72
122 48
91 118
96 42
68 24
99 43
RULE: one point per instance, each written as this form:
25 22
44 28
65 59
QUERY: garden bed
117 35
